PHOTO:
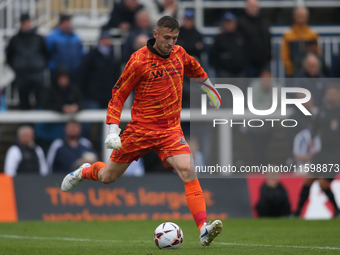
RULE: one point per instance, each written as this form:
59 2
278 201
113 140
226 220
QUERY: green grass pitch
239 236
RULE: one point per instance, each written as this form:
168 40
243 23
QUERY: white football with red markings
168 235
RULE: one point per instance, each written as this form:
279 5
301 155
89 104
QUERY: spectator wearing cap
189 38
65 47
27 54
98 73
123 15
257 39
141 26
227 55
295 39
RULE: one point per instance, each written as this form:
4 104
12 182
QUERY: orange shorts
137 141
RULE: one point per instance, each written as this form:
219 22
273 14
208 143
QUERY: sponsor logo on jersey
158 74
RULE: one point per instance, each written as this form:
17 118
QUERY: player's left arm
194 70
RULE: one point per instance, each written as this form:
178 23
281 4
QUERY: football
168 235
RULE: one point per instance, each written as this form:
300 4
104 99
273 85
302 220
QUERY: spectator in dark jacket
273 198
227 55
189 38
98 74
62 96
123 15
63 153
141 26
25 157
257 39
65 47
27 54
311 47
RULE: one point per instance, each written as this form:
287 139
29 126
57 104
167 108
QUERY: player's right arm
120 92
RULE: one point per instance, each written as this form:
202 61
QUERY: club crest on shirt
118 83
182 141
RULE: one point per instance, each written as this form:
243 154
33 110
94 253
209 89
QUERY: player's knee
186 173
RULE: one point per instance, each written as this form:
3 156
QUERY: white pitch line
281 246
65 239
136 241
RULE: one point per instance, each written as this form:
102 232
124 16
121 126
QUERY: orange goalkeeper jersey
158 84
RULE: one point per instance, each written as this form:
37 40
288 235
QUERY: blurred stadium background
148 197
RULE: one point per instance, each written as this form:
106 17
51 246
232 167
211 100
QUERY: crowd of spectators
84 80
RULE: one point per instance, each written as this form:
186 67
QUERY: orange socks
91 172
196 202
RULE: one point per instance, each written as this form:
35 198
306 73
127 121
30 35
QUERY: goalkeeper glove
214 96
113 140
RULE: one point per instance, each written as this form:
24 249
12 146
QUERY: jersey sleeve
192 68
121 90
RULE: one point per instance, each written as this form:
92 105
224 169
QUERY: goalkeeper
156 73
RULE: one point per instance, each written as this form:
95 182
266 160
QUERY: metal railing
46 12
225 150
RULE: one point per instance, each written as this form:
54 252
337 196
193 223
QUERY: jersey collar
150 44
